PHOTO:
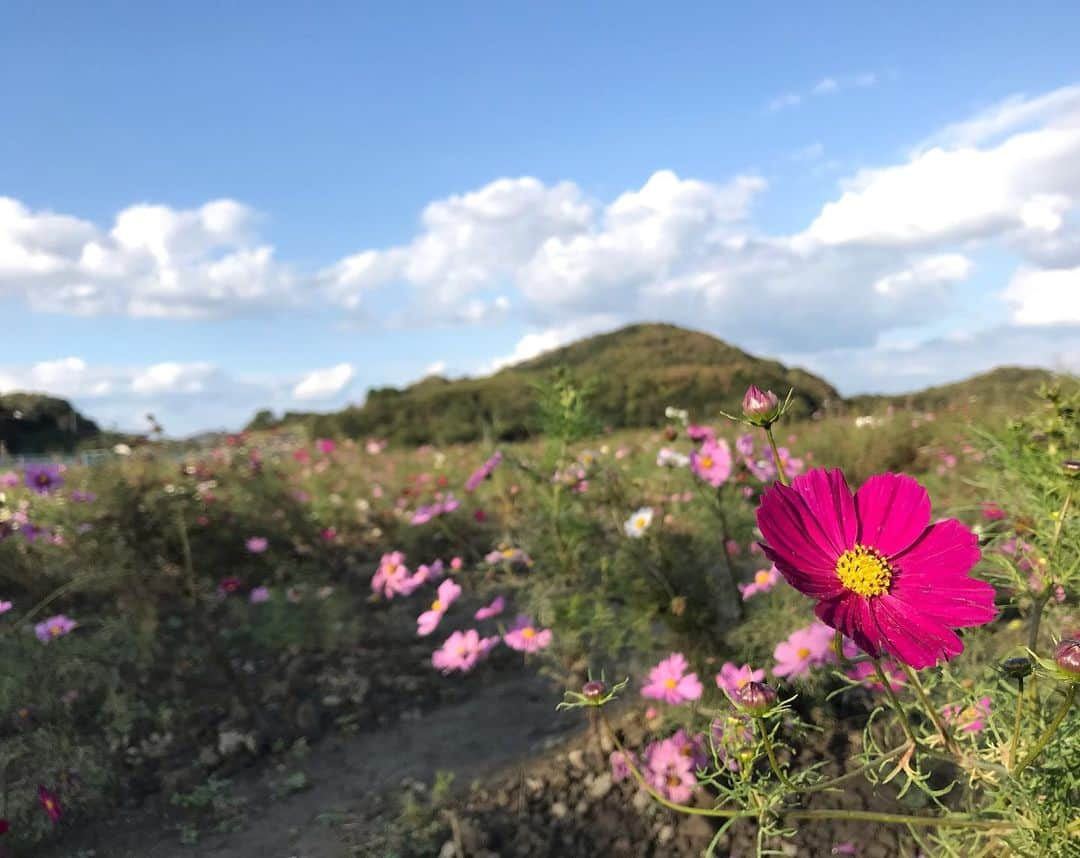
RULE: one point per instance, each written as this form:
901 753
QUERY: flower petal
796 544
946 548
850 614
893 512
910 635
830 502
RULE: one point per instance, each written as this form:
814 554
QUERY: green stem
924 698
854 773
1049 732
776 457
901 819
773 764
895 701
1040 603
1014 743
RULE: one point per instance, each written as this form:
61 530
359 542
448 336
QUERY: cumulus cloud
155 261
184 396
537 342
1045 297
324 383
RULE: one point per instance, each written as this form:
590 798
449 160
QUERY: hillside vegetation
35 423
633 374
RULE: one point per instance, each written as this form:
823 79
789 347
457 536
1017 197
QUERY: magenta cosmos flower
493 610
670 682
447 594
881 572
256 544
524 636
712 462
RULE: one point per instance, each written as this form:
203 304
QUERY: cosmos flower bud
1067 657
593 689
1017 667
1071 467
757 698
671 433
760 407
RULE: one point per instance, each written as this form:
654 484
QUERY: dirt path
349 779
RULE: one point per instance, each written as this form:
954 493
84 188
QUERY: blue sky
209 208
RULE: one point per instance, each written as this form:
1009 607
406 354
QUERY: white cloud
155 262
825 86
1024 185
943 359
930 271
435 368
1045 297
324 383
784 100
535 344
469 243
184 396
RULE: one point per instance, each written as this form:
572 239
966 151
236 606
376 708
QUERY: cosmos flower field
705 599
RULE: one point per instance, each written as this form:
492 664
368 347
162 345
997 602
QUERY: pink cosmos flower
692 747
669 772
523 635
804 648
881 572
620 766
446 595
54 627
764 580
483 472
731 678
864 672
744 445
5 607
461 651
256 544
456 563
393 577
492 610
698 432
326 446
712 462
670 682
259 595
969 719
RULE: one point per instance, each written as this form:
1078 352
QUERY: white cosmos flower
668 458
638 523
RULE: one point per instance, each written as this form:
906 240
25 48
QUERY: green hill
35 423
635 373
1002 386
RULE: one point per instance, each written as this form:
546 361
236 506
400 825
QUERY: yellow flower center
528 632
673 780
864 570
802 652
762 577
706 462
436 605
742 682
640 522
55 631
670 683
508 552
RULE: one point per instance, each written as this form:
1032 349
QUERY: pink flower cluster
671 763
711 462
